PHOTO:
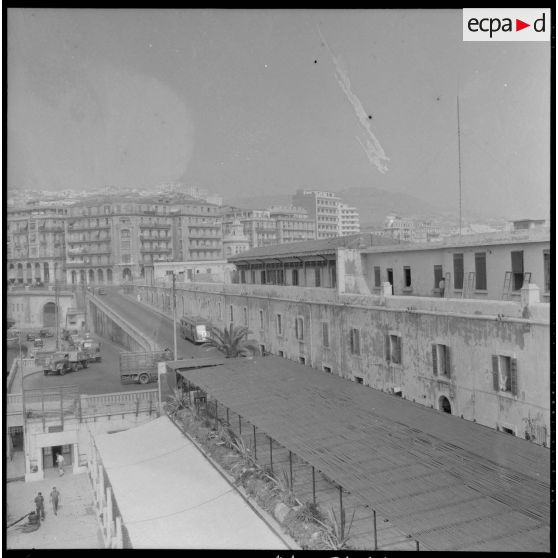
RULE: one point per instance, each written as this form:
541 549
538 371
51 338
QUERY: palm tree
232 342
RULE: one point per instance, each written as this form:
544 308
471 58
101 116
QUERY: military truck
93 348
58 363
141 367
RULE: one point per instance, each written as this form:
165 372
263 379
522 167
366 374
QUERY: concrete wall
26 306
474 331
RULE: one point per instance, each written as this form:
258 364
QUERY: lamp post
174 313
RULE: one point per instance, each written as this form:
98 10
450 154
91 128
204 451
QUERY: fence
118 403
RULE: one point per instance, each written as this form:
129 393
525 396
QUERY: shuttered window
279 324
504 374
458 271
355 341
393 349
299 328
517 269
441 363
261 319
325 334
480 271
377 277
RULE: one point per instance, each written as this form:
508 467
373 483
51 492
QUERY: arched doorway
82 276
126 274
109 275
49 314
74 276
444 404
100 275
91 276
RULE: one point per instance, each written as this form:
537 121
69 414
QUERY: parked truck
93 348
60 363
141 367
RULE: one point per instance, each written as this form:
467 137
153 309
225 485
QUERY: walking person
55 499
442 287
60 461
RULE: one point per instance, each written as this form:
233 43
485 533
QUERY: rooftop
449 483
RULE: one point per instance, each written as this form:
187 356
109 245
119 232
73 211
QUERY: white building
323 207
349 221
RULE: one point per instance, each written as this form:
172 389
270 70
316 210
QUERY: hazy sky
245 102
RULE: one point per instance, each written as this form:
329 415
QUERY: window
438 276
355 341
299 328
325 334
231 313
441 365
261 319
407 276
279 324
327 369
458 271
546 256
295 276
262 276
377 277
480 271
318 276
253 277
245 311
517 270
504 373
242 276
393 349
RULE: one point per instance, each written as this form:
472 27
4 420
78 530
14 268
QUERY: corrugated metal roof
310 247
178 365
449 483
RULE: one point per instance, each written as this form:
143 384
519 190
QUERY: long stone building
481 354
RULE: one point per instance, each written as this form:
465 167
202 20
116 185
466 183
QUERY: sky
249 102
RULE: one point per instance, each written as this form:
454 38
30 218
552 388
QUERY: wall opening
444 404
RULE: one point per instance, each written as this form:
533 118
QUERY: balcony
154 226
86 241
83 227
150 238
83 265
51 228
155 250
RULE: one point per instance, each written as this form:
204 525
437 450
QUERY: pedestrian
40 506
442 287
60 461
55 499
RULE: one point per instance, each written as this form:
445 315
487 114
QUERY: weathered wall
26 307
474 331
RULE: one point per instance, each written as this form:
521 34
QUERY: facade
111 241
323 208
210 271
235 241
349 221
483 359
35 245
292 224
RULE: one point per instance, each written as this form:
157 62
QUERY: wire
182 510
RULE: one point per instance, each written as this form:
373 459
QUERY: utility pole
174 312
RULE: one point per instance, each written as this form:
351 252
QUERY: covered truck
141 367
60 363
93 348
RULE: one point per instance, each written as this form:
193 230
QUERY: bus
194 328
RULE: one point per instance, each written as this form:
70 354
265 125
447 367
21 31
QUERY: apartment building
112 240
349 221
292 224
35 242
323 208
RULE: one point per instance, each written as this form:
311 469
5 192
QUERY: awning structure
449 483
170 496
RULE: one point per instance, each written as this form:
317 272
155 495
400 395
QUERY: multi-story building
323 208
234 240
112 240
35 244
410 230
257 224
349 221
292 224
482 355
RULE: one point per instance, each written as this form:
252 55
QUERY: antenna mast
459 159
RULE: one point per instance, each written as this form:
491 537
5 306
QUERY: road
154 325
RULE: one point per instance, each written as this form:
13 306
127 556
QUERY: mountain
373 204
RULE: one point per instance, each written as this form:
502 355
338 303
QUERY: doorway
390 277
50 453
444 404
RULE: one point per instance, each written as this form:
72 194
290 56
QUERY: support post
375 531
271 454
313 485
216 414
240 425
228 422
255 449
417 546
340 503
62 407
137 407
291 466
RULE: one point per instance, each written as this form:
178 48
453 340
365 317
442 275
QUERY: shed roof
449 483
189 363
